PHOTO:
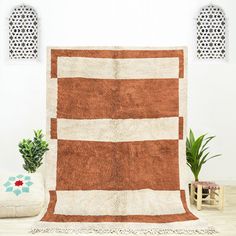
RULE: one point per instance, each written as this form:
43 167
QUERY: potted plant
33 151
197 153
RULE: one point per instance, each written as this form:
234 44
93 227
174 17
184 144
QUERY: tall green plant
32 151
197 152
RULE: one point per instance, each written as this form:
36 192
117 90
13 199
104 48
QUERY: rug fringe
156 231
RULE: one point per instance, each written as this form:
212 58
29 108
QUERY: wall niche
211 33
23 33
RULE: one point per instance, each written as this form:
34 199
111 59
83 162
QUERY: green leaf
213 157
191 136
207 141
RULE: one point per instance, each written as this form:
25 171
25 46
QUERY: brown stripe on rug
53 128
181 127
148 98
85 165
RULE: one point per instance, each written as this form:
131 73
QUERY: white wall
212 85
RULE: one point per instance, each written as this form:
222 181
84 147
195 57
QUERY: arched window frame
23 33
215 46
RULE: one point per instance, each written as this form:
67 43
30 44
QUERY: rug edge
196 227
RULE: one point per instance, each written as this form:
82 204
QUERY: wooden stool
213 198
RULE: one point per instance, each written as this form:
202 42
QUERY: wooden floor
224 221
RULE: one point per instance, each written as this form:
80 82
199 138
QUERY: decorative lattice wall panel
211 33
23 33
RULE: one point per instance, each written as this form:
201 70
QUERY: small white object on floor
21 195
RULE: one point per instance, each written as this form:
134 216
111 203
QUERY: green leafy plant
32 151
197 152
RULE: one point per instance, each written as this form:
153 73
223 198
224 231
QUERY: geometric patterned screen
211 33
23 33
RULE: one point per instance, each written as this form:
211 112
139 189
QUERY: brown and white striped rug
116 127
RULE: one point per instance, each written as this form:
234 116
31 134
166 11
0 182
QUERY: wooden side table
213 198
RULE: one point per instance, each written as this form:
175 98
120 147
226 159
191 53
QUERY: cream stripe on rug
125 129
106 68
136 202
